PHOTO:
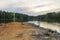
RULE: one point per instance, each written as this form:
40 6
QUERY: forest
6 17
50 17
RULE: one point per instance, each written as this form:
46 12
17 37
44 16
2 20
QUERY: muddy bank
26 31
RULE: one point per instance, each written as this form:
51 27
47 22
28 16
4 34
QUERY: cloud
34 6
6 3
44 8
38 5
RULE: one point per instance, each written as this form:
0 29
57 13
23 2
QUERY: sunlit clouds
33 6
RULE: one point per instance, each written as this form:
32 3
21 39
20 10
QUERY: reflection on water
53 26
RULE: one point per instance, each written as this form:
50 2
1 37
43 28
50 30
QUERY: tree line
50 17
6 17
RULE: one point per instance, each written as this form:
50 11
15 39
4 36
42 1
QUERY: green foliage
9 17
53 17
50 17
6 17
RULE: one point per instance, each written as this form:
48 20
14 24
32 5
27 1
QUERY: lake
52 26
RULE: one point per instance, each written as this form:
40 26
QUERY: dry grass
18 31
15 31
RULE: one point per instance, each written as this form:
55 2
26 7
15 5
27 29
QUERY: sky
30 7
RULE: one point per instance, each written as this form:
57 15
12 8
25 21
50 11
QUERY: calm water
52 26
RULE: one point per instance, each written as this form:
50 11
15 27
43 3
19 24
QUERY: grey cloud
23 6
43 5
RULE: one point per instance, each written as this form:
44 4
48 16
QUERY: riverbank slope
18 31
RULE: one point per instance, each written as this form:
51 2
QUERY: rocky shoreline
26 31
44 34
